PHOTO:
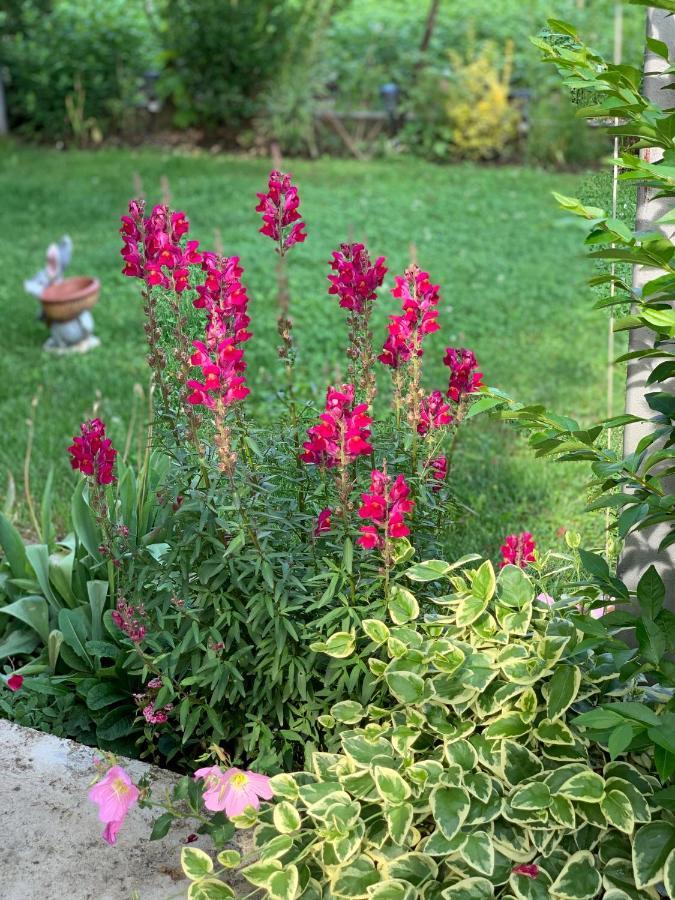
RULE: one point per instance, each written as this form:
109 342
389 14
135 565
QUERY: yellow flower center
120 787
239 780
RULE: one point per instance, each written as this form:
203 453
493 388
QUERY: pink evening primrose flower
114 795
232 791
546 598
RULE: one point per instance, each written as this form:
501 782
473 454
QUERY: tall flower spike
152 247
419 301
355 283
385 506
343 433
92 453
280 212
356 279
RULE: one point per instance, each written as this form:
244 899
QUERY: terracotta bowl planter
68 298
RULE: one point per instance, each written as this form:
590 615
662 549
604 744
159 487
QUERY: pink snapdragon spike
92 453
518 550
14 682
419 301
386 506
114 795
343 433
434 413
220 355
323 522
529 870
356 278
280 213
439 471
233 791
152 247
465 378
129 619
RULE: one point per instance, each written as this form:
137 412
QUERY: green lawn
512 283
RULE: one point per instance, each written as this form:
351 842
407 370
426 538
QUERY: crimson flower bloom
323 522
419 301
279 207
464 377
518 550
343 432
152 249
433 413
439 471
14 682
357 279
529 870
92 453
386 506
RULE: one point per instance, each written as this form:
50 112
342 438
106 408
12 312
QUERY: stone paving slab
50 837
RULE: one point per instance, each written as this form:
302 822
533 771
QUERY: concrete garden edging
51 837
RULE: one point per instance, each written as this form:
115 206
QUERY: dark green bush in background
74 67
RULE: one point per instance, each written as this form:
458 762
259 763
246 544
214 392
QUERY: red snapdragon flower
225 299
219 356
323 522
152 248
518 550
343 432
464 375
280 214
386 506
92 453
529 870
433 413
439 471
222 384
14 682
357 279
419 301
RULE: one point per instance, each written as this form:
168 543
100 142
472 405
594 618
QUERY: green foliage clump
467 777
220 55
75 69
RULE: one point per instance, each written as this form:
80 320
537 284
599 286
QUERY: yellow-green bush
483 120
463 111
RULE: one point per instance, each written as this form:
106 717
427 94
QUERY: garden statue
66 302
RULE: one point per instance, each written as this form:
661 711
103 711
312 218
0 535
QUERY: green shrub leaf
449 807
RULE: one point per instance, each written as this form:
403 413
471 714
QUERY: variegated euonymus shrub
469 781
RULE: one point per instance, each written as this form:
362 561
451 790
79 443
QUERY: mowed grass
512 279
